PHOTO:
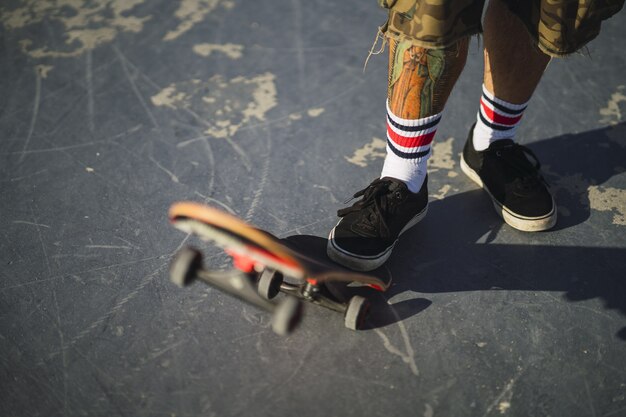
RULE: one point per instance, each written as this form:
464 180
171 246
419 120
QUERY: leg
513 65
420 81
491 158
513 69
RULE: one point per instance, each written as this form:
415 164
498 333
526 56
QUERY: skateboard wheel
287 316
269 283
185 266
356 312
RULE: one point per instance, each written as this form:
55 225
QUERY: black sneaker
519 193
367 232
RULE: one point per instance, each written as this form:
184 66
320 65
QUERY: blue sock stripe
413 128
503 108
407 155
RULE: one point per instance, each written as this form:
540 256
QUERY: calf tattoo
421 79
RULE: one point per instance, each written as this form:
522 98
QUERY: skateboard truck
355 310
186 267
239 282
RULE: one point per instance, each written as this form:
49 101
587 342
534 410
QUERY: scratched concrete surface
113 110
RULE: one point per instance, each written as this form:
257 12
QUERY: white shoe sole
517 221
366 263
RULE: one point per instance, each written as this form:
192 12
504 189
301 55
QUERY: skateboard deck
264 266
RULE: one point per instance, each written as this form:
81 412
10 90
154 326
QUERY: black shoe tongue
394 184
501 143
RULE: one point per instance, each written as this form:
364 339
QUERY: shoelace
515 156
376 201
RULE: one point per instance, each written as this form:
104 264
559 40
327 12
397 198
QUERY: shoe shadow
461 255
454 249
575 162
468 259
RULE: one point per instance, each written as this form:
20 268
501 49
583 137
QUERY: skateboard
263 267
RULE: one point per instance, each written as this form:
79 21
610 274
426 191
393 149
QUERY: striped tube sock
408 148
497 119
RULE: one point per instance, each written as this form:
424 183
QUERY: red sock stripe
498 118
410 142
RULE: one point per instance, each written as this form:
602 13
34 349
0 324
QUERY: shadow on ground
453 250
574 162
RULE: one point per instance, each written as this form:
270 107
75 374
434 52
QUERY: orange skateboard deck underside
255 248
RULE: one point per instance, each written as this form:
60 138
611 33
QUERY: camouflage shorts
559 27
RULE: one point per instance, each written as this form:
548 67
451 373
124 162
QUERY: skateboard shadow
384 314
456 247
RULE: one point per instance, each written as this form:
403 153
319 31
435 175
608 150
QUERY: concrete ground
112 110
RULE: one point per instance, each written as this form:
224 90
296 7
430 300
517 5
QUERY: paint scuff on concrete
231 50
612 114
222 106
609 199
370 152
86 24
